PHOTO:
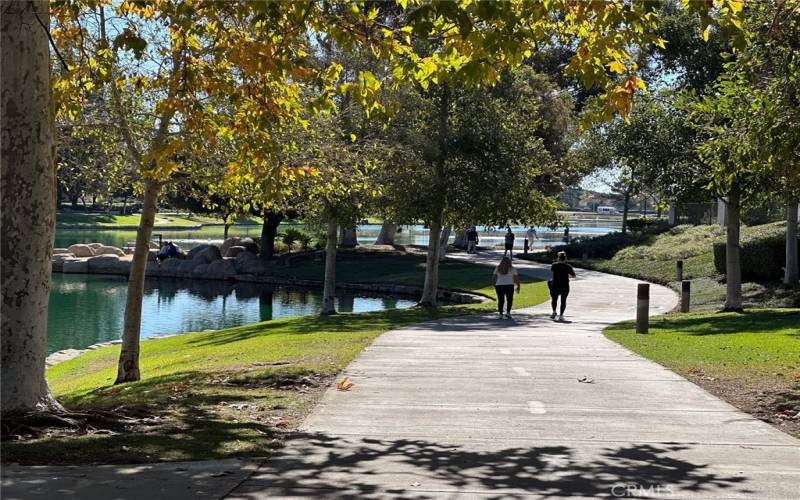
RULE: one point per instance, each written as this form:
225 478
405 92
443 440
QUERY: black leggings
505 294
554 299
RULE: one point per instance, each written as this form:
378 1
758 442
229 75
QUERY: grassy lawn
655 261
233 392
752 360
77 219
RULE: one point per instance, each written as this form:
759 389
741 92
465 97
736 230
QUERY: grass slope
655 261
752 360
232 392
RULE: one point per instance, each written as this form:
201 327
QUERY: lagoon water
87 309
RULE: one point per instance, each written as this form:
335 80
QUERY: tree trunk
733 268
329 288
430 288
445 236
387 234
791 273
28 200
349 237
73 201
125 205
128 369
460 240
268 232
625 209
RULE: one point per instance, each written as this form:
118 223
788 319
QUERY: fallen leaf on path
586 380
344 384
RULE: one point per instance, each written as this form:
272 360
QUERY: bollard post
679 270
643 308
686 286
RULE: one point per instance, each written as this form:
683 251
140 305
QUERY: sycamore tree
338 189
172 56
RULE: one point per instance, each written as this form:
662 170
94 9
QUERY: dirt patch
774 400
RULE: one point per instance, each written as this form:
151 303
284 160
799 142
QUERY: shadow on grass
183 416
750 321
319 465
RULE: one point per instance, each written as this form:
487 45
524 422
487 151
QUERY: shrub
305 240
600 247
762 253
292 236
644 225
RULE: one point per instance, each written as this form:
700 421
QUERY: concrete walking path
478 407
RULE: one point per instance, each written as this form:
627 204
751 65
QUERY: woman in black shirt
559 285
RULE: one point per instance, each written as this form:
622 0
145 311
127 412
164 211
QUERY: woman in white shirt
504 279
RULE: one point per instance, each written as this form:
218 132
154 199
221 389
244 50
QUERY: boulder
152 269
61 251
95 246
59 259
248 263
105 264
248 243
234 251
75 266
169 267
200 270
154 245
152 255
221 269
207 253
185 268
109 250
80 250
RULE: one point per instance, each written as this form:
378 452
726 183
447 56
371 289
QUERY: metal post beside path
679 270
643 308
686 289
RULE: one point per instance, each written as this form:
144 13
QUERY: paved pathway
479 407
484 408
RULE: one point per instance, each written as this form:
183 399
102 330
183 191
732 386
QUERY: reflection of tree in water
390 302
265 303
347 302
85 310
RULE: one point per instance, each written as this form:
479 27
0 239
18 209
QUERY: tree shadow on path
319 465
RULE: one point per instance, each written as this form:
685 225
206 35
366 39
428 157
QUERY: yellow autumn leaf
616 67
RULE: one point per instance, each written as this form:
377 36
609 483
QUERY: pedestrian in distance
505 278
559 284
472 239
530 237
509 244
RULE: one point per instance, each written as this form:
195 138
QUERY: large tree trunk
733 268
791 273
625 208
329 288
387 234
443 238
28 200
349 237
268 232
128 368
430 288
460 240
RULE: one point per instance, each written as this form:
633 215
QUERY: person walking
472 239
559 284
530 237
509 244
504 279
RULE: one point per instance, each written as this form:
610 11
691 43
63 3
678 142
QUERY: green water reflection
87 309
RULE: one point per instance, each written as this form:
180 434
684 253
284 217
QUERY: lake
87 309
586 225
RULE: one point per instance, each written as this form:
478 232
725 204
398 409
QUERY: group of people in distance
506 278
168 250
530 237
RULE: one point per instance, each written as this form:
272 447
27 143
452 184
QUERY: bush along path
528 407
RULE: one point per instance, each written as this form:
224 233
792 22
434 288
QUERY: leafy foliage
763 252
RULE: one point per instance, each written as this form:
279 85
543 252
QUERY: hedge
762 253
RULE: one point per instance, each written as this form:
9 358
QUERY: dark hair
505 266
562 256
